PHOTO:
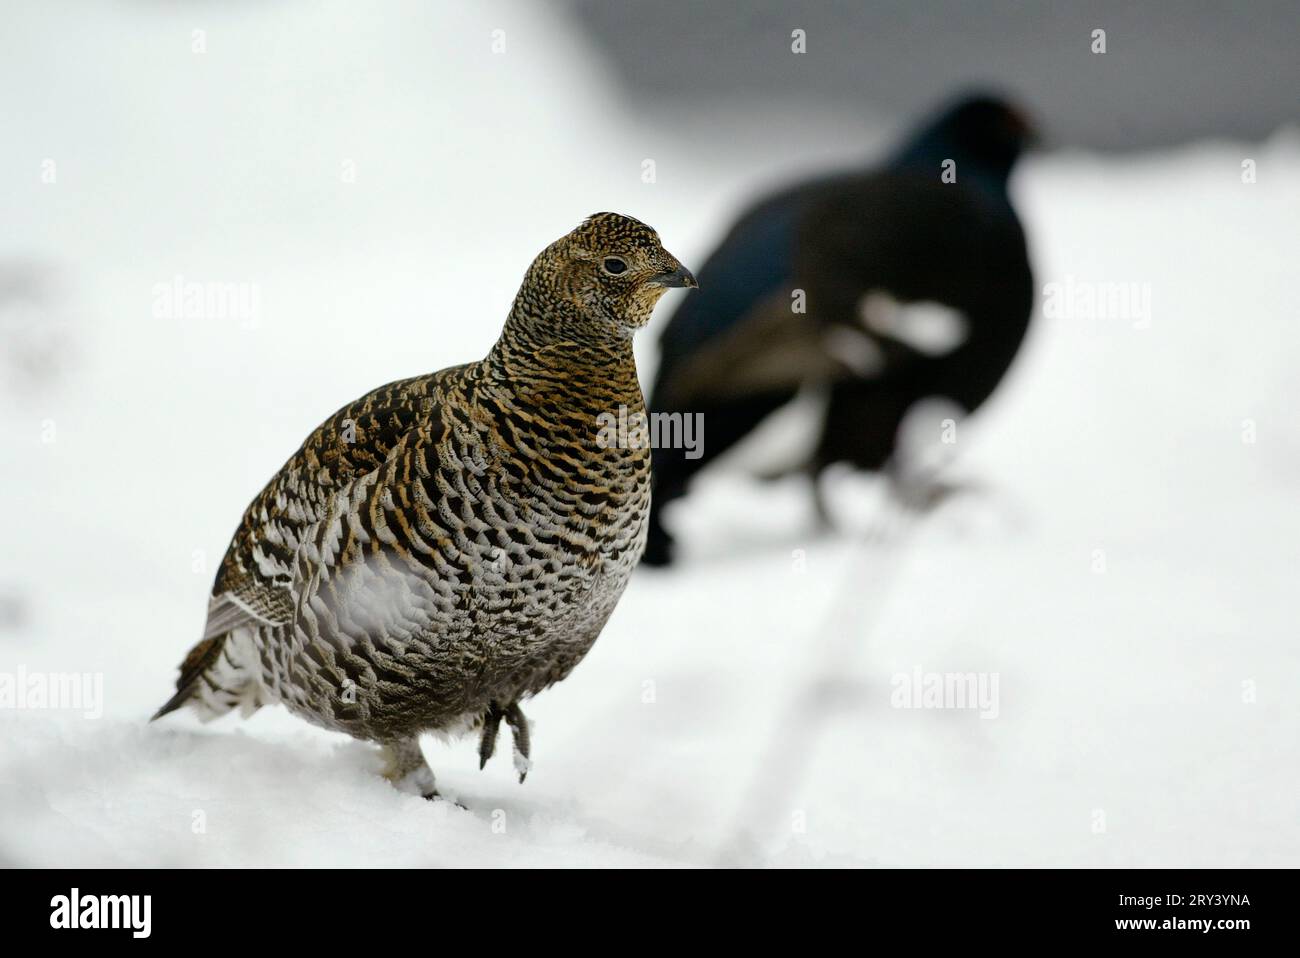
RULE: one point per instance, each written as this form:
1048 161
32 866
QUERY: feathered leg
407 770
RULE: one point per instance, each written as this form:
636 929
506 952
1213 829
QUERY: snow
1126 568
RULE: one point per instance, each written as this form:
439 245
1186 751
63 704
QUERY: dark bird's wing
834 240
748 278
770 351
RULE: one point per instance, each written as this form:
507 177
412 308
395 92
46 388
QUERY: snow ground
1157 697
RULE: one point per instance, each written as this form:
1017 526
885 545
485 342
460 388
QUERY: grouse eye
614 266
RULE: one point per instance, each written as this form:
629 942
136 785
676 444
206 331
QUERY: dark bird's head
983 133
612 268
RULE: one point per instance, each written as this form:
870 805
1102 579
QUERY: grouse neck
568 353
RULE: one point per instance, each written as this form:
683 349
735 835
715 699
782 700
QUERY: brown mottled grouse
449 545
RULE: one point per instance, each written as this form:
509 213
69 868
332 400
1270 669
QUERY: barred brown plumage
451 544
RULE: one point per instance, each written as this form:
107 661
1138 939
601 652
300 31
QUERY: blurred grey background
1173 71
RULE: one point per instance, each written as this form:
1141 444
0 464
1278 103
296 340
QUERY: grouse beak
679 278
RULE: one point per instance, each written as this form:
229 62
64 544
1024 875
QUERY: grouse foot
406 768
519 732
518 723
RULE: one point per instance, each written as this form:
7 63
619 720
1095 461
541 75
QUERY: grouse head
613 269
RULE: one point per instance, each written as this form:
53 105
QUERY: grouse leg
487 743
518 722
406 768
